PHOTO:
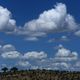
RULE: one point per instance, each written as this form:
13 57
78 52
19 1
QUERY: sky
42 34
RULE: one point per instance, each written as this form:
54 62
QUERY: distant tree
14 69
5 69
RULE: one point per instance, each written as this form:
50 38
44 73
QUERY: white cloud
4 17
71 23
62 38
52 64
11 55
24 64
64 54
8 51
8 47
77 33
6 23
31 38
50 21
62 65
63 59
35 55
54 20
11 26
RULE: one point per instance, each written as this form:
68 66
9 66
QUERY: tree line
13 69
38 74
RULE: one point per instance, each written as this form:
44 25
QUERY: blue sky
33 33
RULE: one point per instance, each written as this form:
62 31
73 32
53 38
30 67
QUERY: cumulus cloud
54 20
52 64
8 51
10 55
8 47
62 59
35 55
50 21
6 23
64 54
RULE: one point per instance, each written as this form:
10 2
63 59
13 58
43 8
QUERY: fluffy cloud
8 51
54 20
8 47
64 54
62 60
35 55
6 23
10 55
50 21
52 64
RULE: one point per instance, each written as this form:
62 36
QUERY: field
39 75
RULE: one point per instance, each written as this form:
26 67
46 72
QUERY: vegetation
38 75
5 69
14 69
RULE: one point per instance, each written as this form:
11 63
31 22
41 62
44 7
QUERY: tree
5 69
14 69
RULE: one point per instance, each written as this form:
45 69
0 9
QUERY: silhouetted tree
14 69
5 69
